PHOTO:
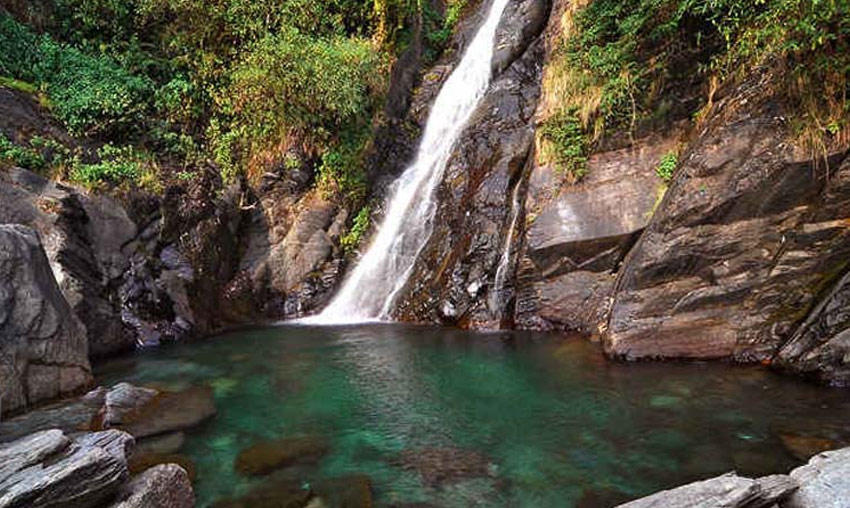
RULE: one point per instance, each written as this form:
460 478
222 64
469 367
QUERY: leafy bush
565 146
667 166
359 227
24 157
118 165
617 58
342 171
291 83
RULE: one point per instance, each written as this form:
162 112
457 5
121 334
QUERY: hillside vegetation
620 66
155 88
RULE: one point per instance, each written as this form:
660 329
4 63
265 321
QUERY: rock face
747 238
83 237
576 241
821 345
457 277
43 349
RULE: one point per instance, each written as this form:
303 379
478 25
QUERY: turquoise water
553 422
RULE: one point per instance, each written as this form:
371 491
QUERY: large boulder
43 347
823 483
84 237
49 470
820 347
750 233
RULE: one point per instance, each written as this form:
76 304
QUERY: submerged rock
353 491
441 466
274 493
143 461
169 411
267 456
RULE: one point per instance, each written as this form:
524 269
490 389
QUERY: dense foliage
621 63
236 81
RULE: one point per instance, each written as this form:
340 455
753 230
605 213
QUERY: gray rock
727 491
43 347
123 401
48 470
83 237
163 486
824 482
69 416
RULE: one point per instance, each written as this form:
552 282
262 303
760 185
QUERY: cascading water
496 299
369 291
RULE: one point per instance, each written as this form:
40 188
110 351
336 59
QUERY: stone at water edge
163 486
824 482
726 491
49 470
143 461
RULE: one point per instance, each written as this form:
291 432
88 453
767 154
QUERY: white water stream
370 290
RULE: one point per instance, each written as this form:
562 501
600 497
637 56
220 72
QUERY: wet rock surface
455 278
43 348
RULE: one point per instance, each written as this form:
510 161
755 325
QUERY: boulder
49 470
69 416
727 491
83 237
820 348
43 347
823 483
163 486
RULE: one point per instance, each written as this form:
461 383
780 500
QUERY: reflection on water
453 418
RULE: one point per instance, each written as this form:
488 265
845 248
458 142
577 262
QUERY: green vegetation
667 166
236 81
27 158
359 227
623 63
566 146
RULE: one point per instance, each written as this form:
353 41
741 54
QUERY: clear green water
558 424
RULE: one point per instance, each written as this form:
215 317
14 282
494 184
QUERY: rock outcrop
746 240
43 348
50 469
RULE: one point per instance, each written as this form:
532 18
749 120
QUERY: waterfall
369 291
498 290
